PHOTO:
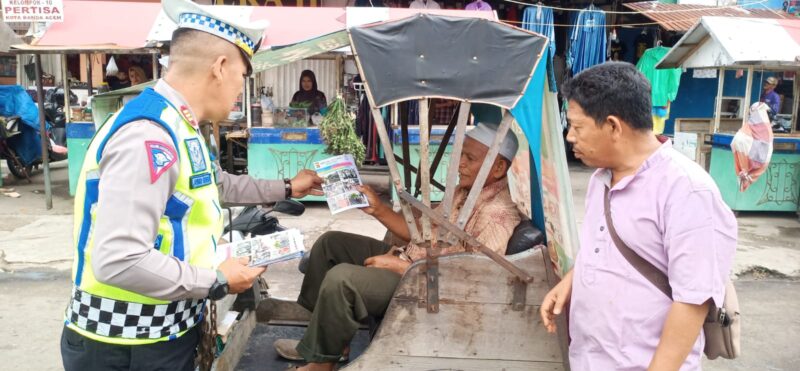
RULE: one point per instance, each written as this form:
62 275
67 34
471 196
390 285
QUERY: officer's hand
306 182
240 276
554 302
375 203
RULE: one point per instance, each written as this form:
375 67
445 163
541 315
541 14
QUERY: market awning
474 60
681 17
7 38
98 26
737 42
285 43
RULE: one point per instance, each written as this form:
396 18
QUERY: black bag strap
645 268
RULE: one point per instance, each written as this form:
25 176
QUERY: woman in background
137 76
309 96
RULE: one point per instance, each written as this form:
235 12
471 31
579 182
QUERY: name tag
200 180
196 156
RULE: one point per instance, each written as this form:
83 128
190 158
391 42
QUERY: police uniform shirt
132 201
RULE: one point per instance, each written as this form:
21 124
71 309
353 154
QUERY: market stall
284 145
759 48
92 29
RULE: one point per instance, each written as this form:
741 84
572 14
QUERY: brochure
265 250
341 179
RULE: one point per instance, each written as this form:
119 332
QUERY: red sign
295 3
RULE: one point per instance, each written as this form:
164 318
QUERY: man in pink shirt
665 207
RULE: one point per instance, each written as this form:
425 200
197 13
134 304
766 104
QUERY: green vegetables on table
338 131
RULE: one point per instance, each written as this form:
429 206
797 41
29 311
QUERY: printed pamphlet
341 179
265 250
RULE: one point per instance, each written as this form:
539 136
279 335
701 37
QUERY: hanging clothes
752 146
540 20
587 40
664 84
479 5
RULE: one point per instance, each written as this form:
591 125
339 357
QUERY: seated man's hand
306 182
375 203
240 276
388 262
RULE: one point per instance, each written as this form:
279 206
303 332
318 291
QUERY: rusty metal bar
413 169
466 237
480 179
406 153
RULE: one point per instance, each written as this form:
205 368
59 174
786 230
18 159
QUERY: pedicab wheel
17 169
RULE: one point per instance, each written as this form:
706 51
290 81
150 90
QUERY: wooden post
795 106
155 66
455 159
718 108
67 105
387 147
395 173
89 79
748 96
480 179
246 102
43 133
424 168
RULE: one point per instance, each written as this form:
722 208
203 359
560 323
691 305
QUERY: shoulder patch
161 156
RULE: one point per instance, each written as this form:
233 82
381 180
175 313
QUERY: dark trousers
80 353
341 292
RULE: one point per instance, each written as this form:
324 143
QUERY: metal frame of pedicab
515 296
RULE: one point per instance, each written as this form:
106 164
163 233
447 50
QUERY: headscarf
316 97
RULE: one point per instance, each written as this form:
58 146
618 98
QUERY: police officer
147 208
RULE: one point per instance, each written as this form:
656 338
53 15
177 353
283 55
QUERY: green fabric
664 83
342 293
264 60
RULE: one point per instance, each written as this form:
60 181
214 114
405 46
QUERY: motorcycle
257 221
20 141
9 129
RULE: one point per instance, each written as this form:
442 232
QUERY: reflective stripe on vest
188 230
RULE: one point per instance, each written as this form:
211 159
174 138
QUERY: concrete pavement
36 255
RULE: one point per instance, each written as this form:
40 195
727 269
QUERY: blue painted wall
696 96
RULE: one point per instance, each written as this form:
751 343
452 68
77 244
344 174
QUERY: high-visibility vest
188 230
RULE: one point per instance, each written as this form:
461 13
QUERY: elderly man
665 207
147 208
351 277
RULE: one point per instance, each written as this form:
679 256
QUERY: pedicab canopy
467 59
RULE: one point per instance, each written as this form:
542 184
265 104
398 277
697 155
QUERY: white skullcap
485 133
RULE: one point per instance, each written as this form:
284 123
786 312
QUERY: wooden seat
476 327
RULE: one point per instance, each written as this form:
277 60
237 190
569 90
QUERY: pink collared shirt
672 214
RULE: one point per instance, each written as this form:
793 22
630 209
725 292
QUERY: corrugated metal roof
681 17
737 42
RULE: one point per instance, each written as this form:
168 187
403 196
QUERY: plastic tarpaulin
15 101
465 59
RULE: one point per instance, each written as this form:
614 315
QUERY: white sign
686 143
33 10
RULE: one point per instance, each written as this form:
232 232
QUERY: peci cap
485 133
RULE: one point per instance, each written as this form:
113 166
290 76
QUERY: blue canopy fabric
539 19
15 101
587 40
528 113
